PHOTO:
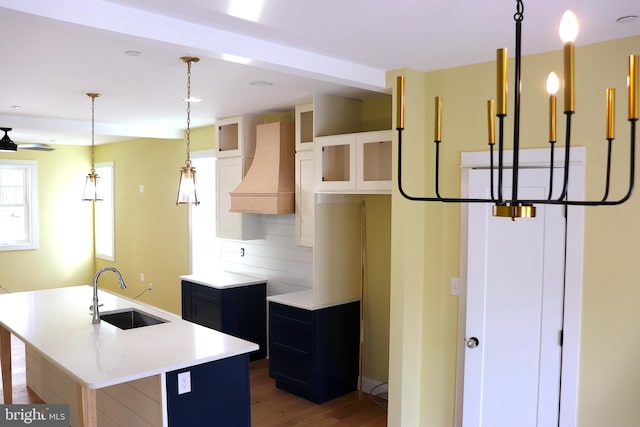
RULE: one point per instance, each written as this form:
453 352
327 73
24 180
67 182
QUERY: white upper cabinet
234 225
304 127
352 144
373 161
354 163
305 183
236 136
236 141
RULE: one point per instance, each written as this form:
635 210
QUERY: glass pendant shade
187 194
92 188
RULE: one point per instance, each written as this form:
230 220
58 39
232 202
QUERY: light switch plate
184 382
455 286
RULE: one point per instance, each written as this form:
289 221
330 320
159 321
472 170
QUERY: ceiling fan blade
35 146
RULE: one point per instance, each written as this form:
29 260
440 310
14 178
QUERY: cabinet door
233 225
305 181
373 161
304 127
236 136
335 163
206 308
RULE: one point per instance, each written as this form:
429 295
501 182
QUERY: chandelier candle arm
552 118
400 102
437 135
491 123
568 34
501 81
611 101
633 86
491 139
553 84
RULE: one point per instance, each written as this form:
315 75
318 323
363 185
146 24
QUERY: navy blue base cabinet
219 395
240 311
314 353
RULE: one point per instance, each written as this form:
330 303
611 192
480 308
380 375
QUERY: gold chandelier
91 187
187 194
514 207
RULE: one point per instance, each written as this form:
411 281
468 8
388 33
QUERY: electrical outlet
150 286
184 382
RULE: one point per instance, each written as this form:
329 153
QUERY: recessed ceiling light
261 83
628 19
16 107
132 52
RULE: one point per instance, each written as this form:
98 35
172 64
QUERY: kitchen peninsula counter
55 325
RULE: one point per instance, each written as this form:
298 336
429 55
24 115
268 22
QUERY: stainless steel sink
129 318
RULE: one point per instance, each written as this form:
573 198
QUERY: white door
515 286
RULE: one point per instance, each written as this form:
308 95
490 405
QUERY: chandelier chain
519 15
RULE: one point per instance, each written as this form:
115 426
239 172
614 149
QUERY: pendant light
91 186
187 194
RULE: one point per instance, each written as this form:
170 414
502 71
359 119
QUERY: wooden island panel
134 403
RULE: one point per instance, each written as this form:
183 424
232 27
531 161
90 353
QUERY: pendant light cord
188 161
93 126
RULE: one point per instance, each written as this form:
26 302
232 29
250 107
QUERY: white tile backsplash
287 267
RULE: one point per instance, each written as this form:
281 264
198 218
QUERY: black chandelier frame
514 206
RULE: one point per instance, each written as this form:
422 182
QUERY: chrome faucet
94 307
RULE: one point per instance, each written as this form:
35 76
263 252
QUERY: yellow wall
65 253
376 291
424 315
151 232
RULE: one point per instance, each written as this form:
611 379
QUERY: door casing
537 158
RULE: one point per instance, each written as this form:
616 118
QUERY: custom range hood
269 185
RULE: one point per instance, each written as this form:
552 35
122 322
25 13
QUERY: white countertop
301 299
223 279
57 323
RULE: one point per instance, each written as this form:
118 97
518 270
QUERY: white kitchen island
114 374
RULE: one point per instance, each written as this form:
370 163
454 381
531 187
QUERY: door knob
473 342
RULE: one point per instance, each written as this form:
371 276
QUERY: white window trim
32 211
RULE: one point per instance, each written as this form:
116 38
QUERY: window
104 214
18 205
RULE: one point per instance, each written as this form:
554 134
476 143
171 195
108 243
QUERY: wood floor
270 407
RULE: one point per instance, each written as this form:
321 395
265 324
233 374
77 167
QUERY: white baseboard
381 389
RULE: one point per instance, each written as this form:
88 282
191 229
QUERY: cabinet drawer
291 365
295 335
288 313
205 292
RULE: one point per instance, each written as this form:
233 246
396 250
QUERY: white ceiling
54 52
